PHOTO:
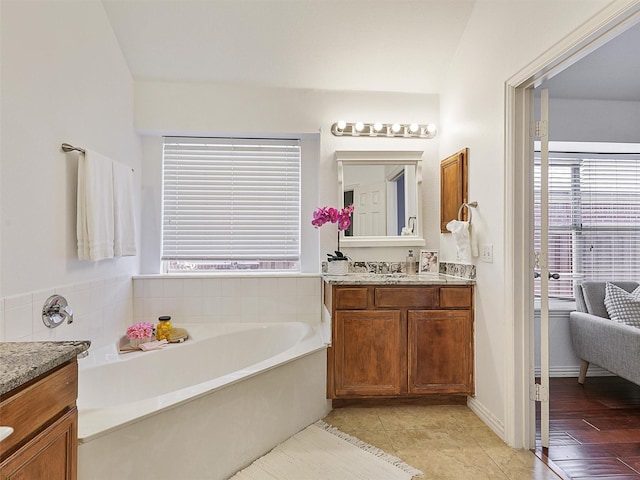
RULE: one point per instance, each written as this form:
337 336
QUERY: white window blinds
594 218
234 203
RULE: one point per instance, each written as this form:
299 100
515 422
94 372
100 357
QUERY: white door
541 390
369 217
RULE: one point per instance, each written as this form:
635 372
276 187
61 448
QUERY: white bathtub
202 409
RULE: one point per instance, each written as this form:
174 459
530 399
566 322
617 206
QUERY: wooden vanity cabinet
400 341
43 414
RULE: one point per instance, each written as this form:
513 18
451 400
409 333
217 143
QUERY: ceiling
612 72
367 45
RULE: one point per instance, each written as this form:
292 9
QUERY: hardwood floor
594 429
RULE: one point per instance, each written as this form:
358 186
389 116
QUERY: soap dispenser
410 264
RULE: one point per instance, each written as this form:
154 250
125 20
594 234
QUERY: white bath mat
322 452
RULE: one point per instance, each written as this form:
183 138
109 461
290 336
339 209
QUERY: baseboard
574 371
486 416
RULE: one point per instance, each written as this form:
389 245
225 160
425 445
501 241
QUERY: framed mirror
386 189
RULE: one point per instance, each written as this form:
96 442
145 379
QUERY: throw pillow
622 306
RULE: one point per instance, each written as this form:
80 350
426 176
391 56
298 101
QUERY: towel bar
468 205
70 148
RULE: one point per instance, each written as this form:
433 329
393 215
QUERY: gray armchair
601 341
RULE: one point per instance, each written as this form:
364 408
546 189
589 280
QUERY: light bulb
342 124
431 128
377 126
395 127
359 126
413 128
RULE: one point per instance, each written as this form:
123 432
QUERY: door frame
610 22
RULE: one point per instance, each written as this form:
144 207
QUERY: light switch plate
487 253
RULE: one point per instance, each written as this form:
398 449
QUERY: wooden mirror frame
453 187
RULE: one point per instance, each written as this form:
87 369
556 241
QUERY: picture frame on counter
429 262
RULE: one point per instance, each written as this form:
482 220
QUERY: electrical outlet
487 253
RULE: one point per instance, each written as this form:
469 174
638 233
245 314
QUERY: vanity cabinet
400 341
44 417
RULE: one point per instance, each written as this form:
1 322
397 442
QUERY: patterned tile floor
445 442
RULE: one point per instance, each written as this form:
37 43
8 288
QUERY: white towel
94 225
460 232
124 216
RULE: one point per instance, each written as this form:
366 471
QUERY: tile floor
445 442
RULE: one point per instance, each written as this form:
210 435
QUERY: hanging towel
94 225
124 218
460 232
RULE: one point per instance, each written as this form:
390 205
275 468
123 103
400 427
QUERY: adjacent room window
594 217
231 204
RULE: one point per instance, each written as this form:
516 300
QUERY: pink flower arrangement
140 330
342 217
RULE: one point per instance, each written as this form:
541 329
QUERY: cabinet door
440 351
50 455
370 353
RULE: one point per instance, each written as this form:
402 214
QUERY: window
594 217
231 204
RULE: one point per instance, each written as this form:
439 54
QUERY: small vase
338 267
135 342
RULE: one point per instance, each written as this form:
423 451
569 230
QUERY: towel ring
472 204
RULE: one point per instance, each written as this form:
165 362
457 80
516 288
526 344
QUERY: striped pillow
622 306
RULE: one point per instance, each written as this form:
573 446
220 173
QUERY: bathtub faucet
55 311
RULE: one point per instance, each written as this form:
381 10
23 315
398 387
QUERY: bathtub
202 409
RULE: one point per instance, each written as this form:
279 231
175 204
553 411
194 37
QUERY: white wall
64 79
230 109
581 120
502 37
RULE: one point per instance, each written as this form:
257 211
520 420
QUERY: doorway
520 425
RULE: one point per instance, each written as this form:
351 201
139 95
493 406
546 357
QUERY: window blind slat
594 218
231 199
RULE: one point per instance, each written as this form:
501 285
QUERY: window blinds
231 199
594 218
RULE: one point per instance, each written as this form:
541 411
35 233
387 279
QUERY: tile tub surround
24 361
203 299
102 310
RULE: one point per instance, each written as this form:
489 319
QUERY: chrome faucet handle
67 312
55 311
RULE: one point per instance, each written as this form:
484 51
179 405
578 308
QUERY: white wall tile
211 308
173 287
287 287
192 306
308 305
2 335
138 288
306 287
18 322
268 287
153 288
193 287
231 288
211 287
18 300
153 308
97 294
250 287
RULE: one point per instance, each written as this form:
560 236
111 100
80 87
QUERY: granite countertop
24 361
395 279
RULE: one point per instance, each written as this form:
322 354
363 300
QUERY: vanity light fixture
379 129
